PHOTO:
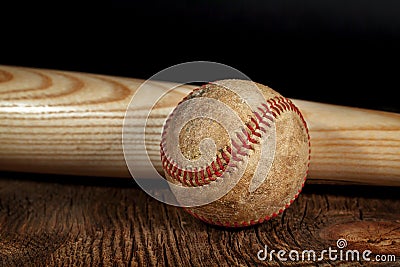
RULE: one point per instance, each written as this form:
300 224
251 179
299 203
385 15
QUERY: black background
343 52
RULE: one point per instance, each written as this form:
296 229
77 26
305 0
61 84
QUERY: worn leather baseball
275 120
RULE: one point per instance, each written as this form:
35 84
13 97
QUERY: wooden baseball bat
71 123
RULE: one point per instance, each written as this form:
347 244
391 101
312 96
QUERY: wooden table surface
48 220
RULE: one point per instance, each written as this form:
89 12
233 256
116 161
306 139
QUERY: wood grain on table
74 221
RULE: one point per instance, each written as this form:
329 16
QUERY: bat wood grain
71 123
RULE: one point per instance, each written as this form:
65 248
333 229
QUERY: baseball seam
248 136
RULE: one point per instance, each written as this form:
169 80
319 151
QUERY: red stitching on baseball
184 177
238 149
263 119
255 123
249 138
196 176
259 118
215 169
276 106
265 113
191 174
281 106
203 178
209 172
244 141
253 131
276 113
225 157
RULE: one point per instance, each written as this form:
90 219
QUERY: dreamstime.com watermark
338 253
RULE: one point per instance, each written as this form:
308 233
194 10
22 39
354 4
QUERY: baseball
267 153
